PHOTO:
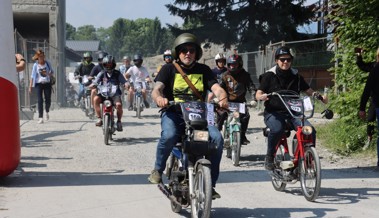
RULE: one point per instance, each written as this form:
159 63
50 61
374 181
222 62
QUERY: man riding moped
170 86
281 77
114 77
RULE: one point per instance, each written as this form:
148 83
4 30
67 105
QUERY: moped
188 167
231 132
108 90
301 163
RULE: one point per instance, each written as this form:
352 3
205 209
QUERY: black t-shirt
96 70
274 80
84 69
175 87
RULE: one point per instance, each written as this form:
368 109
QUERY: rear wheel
173 165
310 174
236 148
201 202
106 126
278 184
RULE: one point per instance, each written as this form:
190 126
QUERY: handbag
52 80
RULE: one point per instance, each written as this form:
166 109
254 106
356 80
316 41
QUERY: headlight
199 135
107 103
307 130
236 114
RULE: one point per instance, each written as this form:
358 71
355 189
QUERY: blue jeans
170 136
377 140
81 92
276 122
43 90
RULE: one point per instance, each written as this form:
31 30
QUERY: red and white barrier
10 149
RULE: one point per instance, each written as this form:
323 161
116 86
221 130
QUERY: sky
102 13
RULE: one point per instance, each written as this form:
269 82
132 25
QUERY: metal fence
312 59
28 48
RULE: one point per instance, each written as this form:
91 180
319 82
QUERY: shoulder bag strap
185 77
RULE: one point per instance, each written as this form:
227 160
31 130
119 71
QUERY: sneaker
269 162
47 116
147 105
119 126
40 120
130 108
368 142
99 122
155 177
244 140
215 194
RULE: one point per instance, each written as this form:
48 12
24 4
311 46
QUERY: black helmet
186 38
137 60
109 62
234 59
284 50
101 55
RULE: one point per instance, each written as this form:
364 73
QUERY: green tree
87 32
354 23
70 32
247 23
117 33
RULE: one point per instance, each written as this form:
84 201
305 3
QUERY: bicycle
304 163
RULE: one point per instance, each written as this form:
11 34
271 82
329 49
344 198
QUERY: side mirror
328 114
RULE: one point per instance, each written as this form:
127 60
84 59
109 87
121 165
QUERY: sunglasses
186 50
285 59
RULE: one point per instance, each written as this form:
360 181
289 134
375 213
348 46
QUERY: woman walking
42 73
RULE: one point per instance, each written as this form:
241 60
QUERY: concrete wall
44 20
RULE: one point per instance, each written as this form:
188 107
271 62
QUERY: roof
84 45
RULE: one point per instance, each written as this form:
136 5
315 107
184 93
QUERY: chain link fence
312 59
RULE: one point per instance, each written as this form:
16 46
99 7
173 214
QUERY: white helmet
220 56
167 52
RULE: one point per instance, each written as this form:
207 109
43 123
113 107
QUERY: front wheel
236 148
310 174
201 202
138 107
106 126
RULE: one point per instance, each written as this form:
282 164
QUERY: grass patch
340 138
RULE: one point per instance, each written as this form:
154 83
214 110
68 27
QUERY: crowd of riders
227 82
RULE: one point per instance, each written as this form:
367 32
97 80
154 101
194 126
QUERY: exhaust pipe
166 191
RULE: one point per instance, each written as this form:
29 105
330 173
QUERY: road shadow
127 141
46 138
268 212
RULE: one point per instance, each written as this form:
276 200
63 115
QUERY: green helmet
186 38
87 57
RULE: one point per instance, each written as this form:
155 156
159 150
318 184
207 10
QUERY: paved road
67 172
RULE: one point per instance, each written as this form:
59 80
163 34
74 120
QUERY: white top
137 74
42 73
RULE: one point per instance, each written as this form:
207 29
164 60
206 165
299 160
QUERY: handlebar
328 114
293 94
